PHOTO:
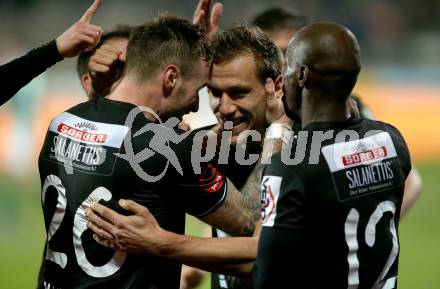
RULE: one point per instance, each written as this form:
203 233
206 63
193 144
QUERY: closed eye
215 92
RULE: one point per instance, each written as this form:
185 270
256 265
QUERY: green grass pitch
22 235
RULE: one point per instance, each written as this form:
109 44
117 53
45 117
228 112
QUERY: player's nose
227 106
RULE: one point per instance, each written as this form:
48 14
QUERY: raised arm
209 19
80 37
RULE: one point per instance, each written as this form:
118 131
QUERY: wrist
284 119
60 49
277 130
169 243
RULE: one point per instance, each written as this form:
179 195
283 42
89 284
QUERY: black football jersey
88 156
330 214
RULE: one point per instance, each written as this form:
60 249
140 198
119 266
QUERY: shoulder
280 169
396 140
394 132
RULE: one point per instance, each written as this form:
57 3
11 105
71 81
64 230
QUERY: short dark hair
280 18
120 31
239 40
165 39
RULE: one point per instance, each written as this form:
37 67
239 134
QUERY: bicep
245 205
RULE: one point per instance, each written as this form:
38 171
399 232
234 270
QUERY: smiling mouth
236 123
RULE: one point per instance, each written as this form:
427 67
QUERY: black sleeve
281 244
401 149
19 72
202 191
197 192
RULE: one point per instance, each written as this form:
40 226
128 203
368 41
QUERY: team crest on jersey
270 191
364 166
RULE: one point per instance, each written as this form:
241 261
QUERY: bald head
331 53
322 69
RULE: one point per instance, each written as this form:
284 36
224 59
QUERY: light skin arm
250 198
246 205
191 277
140 233
238 214
240 210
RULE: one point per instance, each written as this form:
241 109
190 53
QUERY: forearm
230 255
21 71
231 217
278 134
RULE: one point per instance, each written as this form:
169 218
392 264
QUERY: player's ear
303 75
169 80
85 83
279 86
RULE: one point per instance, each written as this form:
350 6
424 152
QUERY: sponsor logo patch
81 135
211 180
364 156
83 145
364 166
270 191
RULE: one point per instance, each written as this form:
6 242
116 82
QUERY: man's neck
131 92
324 112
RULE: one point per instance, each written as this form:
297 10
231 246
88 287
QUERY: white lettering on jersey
89 132
369 150
362 166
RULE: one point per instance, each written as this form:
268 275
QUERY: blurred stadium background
400 82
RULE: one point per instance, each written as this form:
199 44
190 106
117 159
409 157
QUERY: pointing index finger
88 15
216 13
